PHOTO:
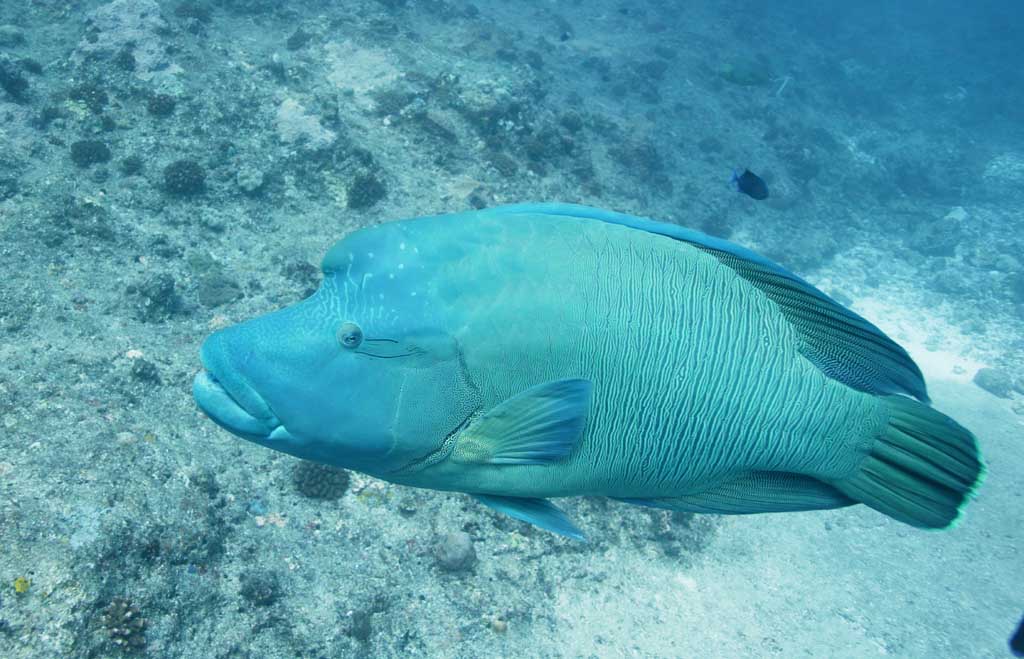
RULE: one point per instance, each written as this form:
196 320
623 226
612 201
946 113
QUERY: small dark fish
1017 640
750 184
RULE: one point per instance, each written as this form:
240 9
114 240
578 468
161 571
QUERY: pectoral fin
538 426
539 512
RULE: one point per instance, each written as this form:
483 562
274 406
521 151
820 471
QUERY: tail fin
922 470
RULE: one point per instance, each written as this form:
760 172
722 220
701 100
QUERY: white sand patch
295 124
941 350
1006 168
359 71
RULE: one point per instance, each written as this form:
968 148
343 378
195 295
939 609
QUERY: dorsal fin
845 346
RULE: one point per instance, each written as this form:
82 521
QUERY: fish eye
350 335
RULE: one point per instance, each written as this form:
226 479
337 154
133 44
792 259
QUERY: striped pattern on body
697 375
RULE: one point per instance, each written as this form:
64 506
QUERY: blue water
171 168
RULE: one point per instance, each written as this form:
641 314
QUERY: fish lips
230 401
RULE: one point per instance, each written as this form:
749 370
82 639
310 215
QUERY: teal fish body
537 351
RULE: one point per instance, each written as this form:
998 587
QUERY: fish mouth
218 404
231 402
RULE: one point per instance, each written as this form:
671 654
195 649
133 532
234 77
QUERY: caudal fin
922 470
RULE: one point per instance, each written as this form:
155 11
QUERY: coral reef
155 298
365 190
320 481
259 587
161 105
124 624
89 152
185 178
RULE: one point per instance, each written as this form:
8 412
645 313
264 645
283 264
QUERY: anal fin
755 492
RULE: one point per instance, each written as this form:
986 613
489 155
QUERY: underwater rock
131 165
213 286
161 105
216 288
144 370
194 11
505 164
249 179
85 153
260 587
432 125
47 116
654 70
496 114
304 274
480 197
364 191
361 627
11 36
11 79
92 95
801 164
936 238
547 147
951 281
393 100
710 145
957 214
85 217
1016 286
571 121
9 187
124 60
184 178
996 382
454 552
298 39
155 298
1004 173
133 27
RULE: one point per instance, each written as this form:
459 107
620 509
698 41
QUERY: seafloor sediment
168 168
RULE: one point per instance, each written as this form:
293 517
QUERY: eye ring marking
350 335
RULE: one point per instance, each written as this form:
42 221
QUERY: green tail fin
922 470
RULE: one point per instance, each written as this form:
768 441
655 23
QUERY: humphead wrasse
526 352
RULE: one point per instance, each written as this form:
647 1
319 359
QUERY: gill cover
433 397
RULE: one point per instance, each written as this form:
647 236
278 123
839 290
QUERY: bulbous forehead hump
384 274
402 245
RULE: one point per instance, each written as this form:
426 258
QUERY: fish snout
222 392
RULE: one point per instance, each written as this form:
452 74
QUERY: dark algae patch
89 152
184 178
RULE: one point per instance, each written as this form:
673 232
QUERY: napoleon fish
534 351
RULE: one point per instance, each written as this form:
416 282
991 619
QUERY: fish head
359 375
